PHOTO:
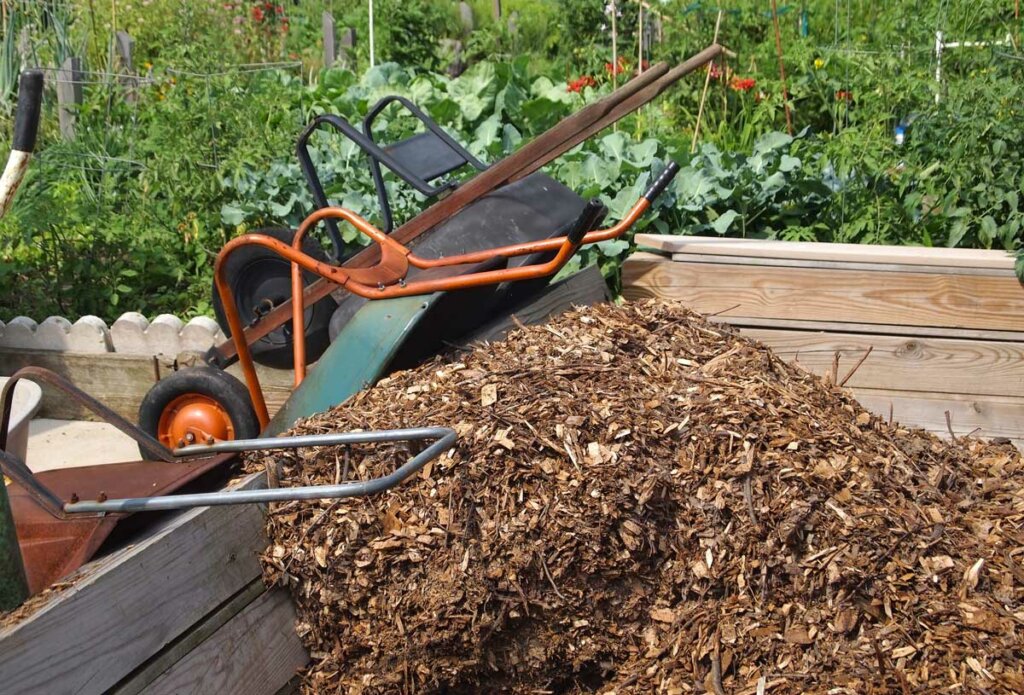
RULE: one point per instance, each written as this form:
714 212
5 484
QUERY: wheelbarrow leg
13 583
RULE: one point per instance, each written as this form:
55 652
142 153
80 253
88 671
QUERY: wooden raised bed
183 609
945 326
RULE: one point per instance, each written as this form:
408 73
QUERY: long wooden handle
500 173
624 108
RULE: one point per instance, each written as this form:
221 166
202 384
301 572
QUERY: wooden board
255 653
893 299
873 329
906 363
817 251
837 265
126 607
118 381
991 416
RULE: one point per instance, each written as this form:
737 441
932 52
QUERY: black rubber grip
662 182
588 219
26 119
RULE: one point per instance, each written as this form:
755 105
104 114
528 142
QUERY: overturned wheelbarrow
507 219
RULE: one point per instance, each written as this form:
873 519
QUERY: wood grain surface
818 251
906 363
884 298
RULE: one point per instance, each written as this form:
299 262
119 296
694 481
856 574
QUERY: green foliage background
131 214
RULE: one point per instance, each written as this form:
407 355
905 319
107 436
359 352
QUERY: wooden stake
615 48
704 94
782 67
640 38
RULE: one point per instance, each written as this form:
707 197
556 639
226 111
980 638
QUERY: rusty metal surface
52 546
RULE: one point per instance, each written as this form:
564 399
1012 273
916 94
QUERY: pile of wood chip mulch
643 502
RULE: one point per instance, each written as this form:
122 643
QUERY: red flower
612 70
279 9
843 95
742 84
257 13
579 84
715 71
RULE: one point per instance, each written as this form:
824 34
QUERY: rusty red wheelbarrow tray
64 516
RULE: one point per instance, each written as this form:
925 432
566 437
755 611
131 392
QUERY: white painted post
640 38
372 56
938 65
615 50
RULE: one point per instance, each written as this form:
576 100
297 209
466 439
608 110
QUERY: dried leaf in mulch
641 501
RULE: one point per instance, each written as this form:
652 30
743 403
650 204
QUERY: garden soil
643 502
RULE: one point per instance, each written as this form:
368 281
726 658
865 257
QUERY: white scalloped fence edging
131 334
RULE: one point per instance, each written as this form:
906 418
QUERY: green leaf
641 155
988 230
771 141
614 145
787 163
774 183
957 230
231 215
724 221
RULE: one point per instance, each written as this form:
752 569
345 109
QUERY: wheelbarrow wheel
191 406
260 280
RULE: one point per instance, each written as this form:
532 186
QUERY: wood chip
653 505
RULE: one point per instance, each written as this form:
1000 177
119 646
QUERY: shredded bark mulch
643 502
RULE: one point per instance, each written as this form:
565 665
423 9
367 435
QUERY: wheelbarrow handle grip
662 182
26 119
587 220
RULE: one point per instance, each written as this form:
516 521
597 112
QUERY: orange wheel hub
193 418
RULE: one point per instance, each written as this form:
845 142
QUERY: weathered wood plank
873 329
991 416
818 251
151 669
584 288
894 299
255 653
124 608
905 363
839 265
118 381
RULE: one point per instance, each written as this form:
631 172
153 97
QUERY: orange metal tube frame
386 279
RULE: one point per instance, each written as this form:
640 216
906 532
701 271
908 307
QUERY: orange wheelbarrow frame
388 277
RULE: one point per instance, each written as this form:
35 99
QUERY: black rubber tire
256 274
230 393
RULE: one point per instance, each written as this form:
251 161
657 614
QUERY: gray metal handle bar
444 437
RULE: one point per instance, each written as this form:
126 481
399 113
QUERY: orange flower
742 84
